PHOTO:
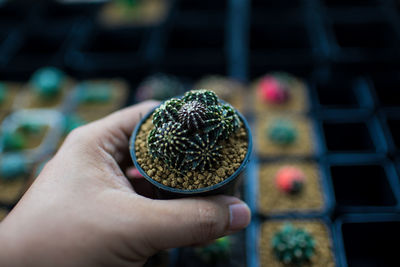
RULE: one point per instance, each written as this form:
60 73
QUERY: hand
82 210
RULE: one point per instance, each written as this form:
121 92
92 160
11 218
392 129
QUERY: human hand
82 210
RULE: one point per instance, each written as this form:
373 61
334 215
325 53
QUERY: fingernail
239 216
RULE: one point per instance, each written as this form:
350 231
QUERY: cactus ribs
193 142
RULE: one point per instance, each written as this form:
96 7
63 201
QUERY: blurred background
66 63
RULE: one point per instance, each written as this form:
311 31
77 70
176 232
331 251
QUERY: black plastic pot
227 187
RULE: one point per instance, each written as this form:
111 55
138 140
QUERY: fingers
176 223
111 133
127 118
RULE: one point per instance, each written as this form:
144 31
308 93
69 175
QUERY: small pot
226 187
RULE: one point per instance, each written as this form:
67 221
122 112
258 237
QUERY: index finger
127 118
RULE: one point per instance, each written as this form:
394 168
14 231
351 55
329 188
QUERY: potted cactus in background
192 145
293 245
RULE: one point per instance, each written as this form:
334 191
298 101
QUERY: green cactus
293 245
47 82
206 97
203 152
188 130
169 111
193 115
217 251
282 132
229 121
168 139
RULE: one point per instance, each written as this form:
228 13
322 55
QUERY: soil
93 111
303 145
272 200
34 140
12 91
146 13
234 152
11 191
323 250
297 102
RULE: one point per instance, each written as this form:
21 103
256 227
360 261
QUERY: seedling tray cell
350 3
347 137
35 51
368 240
283 4
386 89
103 51
201 5
342 96
370 186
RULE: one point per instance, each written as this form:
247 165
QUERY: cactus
217 251
188 130
193 115
13 141
169 139
282 132
169 111
12 166
203 152
274 88
206 97
47 82
290 179
293 245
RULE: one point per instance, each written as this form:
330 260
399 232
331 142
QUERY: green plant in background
282 132
188 130
31 127
219 250
3 92
47 82
89 92
72 121
12 166
13 141
292 245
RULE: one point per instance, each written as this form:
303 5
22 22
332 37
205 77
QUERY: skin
83 211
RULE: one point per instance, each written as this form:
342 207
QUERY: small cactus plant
188 131
293 245
217 251
47 82
290 179
282 132
12 166
273 90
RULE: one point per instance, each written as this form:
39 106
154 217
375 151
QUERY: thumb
189 221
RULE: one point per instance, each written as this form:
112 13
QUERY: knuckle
76 135
208 221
